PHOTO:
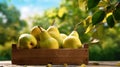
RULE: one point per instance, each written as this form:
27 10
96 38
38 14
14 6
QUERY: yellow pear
72 41
63 36
27 41
46 41
54 32
35 31
74 33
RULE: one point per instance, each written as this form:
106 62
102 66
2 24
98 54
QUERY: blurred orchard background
99 23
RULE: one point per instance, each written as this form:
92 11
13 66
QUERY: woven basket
49 56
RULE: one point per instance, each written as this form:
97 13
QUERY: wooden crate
49 56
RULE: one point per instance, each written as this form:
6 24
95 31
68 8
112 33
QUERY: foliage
108 48
10 27
5 51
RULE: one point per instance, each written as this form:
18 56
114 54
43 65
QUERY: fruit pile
49 39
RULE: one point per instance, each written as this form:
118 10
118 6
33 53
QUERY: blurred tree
10 29
10 24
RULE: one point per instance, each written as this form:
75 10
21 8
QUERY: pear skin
35 31
72 41
27 41
46 41
74 33
54 32
63 36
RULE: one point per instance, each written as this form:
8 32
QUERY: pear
27 41
35 31
74 33
46 41
63 36
72 41
54 32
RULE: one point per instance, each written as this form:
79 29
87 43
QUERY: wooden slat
45 56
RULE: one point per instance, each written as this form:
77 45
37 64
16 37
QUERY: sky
31 7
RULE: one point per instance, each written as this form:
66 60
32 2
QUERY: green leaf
98 17
89 28
92 3
116 12
82 4
98 32
110 21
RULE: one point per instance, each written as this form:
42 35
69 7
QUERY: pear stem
53 23
76 26
40 28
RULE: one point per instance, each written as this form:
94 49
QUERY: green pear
46 41
54 32
27 41
72 41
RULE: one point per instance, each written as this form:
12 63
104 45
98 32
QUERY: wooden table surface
91 64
